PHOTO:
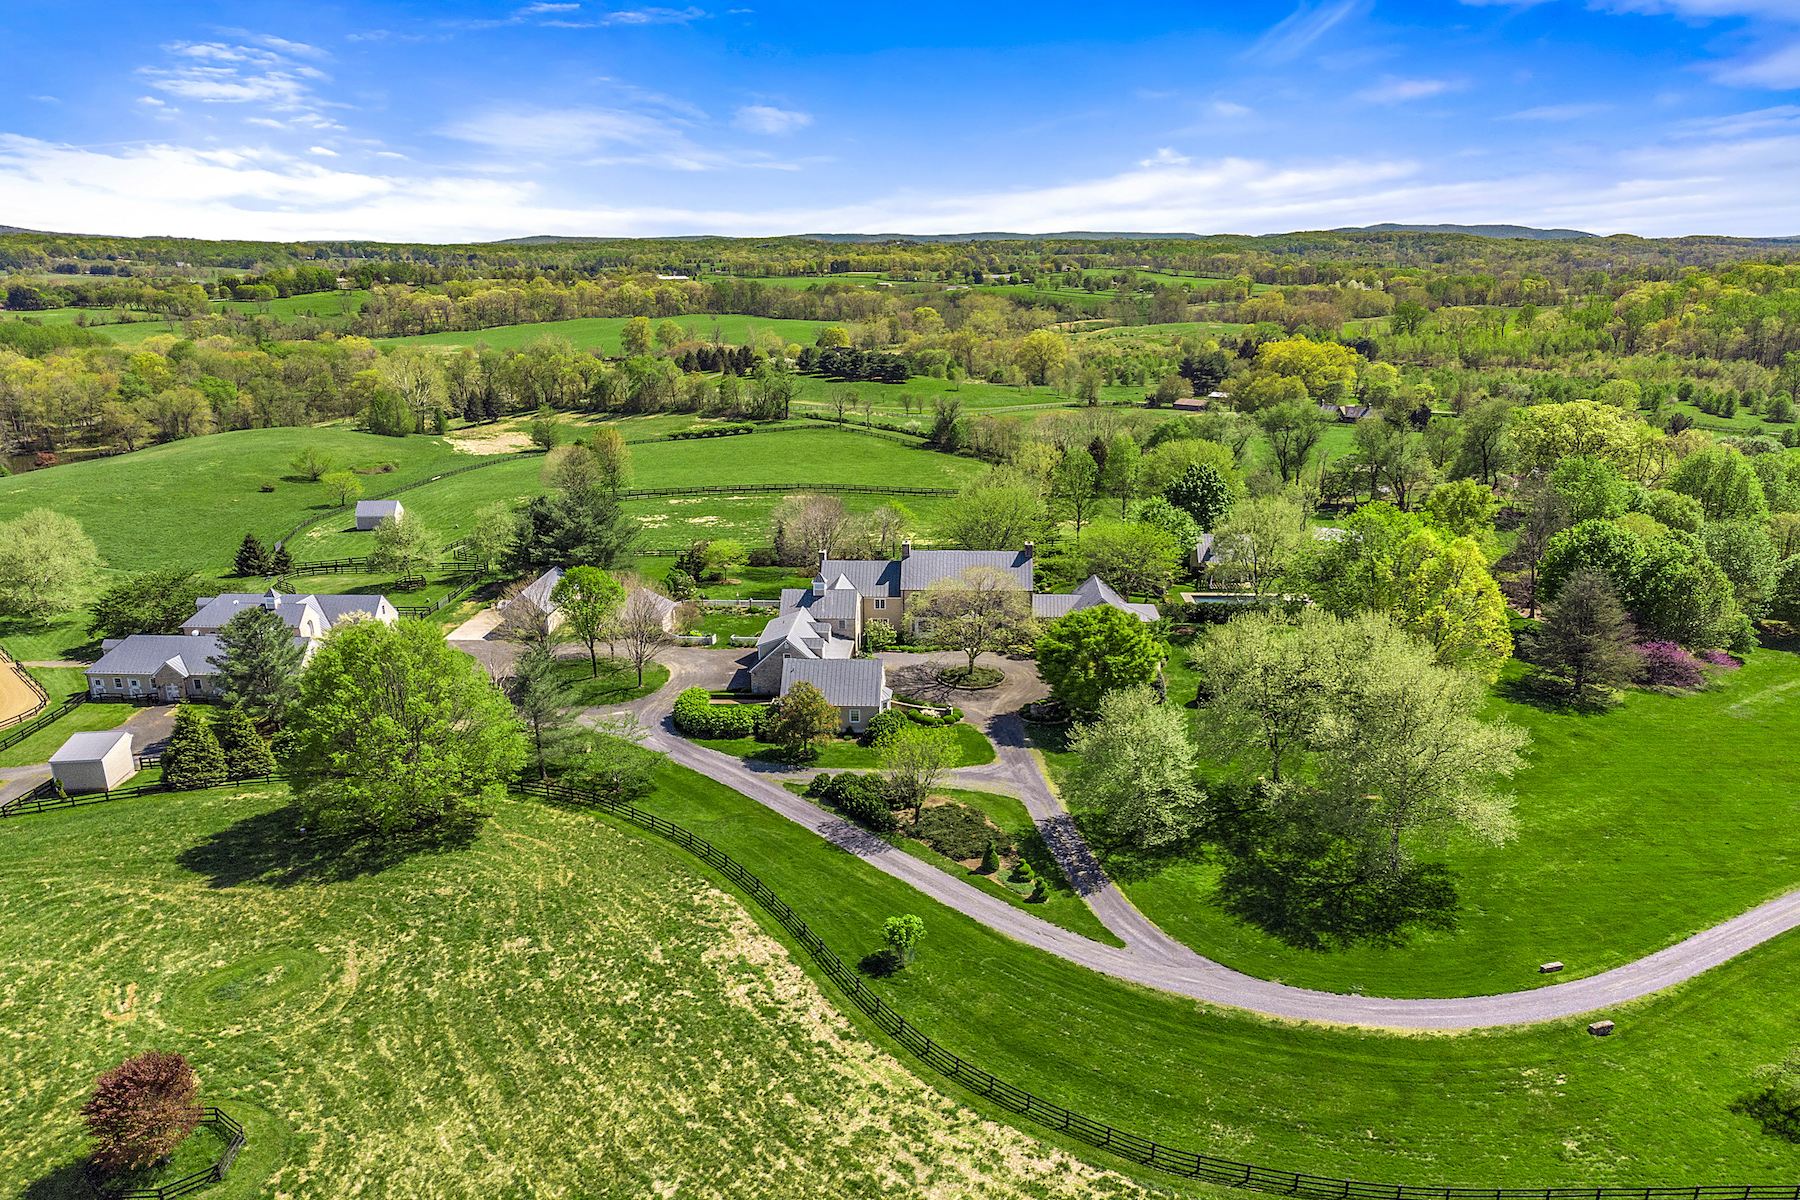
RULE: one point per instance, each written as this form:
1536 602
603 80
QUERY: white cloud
761 118
1165 157
322 151
222 73
1225 108
268 122
1289 38
1394 91
1733 175
1557 112
1778 70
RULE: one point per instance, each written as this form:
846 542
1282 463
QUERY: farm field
201 495
1627 843
603 333
323 305
530 1043
785 457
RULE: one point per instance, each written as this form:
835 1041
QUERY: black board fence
229 1131
1186 1163
19 732
717 489
45 798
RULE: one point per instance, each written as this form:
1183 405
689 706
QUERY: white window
881 603
117 684
855 715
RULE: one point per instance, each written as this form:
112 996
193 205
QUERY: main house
170 667
827 620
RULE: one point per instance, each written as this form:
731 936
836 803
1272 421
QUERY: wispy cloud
602 136
226 73
1396 91
1165 157
1290 37
1225 108
1557 112
762 118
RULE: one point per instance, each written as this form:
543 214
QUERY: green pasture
1554 1105
604 332
85 718
193 500
323 305
553 1007
1638 827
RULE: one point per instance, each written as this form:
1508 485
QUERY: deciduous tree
589 600
1088 654
405 545
46 562
1136 765
141 1110
802 720
397 731
983 609
153 602
914 760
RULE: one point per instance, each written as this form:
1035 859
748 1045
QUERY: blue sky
475 121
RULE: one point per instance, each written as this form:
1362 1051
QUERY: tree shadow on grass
64 1183
1316 891
269 850
1545 694
881 964
1127 862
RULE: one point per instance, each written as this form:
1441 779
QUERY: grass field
1637 827
192 501
604 332
558 1009
88 717
617 682
323 305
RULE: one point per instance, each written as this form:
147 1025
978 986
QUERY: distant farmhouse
171 667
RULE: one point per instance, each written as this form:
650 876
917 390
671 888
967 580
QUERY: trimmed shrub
960 832
924 718
862 798
1720 659
881 725
697 717
1668 665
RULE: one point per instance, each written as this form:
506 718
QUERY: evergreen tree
1587 637
247 755
260 668
545 704
281 562
194 758
990 860
252 559
1040 891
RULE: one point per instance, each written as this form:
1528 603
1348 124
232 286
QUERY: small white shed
94 762
370 513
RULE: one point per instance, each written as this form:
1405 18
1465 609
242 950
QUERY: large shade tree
1099 650
397 731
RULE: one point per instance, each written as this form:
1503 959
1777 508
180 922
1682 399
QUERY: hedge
697 716
862 798
720 431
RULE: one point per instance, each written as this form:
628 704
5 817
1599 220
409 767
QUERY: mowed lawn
1638 826
605 332
192 501
558 1008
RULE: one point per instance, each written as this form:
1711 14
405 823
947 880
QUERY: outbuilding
94 762
370 513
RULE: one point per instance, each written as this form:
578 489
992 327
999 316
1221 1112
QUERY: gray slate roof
921 568
846 682
146 653
91 747
869 576
1093 591
378 508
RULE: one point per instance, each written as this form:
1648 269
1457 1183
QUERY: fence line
1139 1149
33 724
44 798
228 1128
12 664
714 489
344 508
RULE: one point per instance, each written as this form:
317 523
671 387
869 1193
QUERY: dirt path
17 697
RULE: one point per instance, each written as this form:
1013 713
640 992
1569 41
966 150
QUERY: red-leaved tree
142 1109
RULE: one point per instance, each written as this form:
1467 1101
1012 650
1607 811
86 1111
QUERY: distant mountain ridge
1487 231
548 239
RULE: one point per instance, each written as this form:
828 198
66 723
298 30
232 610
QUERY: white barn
370 513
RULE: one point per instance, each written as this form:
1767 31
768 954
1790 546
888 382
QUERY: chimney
905 550
1030 550
818 587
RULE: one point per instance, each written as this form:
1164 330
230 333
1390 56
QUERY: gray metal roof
146 653
921 568
215 611
378 508
1092 592
846 682
91 747
540 588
